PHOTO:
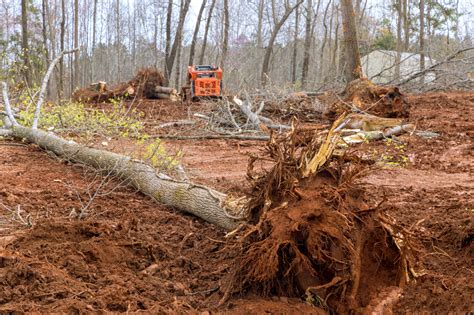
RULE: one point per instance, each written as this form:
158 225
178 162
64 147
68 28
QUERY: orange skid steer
203 82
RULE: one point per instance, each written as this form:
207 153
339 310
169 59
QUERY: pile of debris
363 96
312 231
147 83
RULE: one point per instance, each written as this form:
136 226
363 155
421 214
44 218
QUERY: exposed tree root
315 237
143 85
362 95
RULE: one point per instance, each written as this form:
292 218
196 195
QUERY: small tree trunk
94 31
406 24
225 42
118 41
320 69
268 50
44 10
399 40
196 31
169 15
24 42
170 58
76 43
295 46
206 32
259 33
177 77
422 39
61 62
307 44
353 66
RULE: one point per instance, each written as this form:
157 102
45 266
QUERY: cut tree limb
255 119
432 67
206 203
363 136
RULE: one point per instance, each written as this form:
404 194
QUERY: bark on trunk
398 56
206 203
353 66
206 32
307 44
295 47
225 42
422 39
165 90
24 41
268 50
196 31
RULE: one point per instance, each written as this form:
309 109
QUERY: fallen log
165 90
363 136
206 203
164 96
210 205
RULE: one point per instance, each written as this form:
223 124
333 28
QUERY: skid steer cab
203 82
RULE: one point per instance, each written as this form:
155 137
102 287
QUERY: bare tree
24 42
225 42
61 62
76 43
94 34
196 31
399 38
406 24
259 24
206 32
320 69
44 32
169 16
307 43
170 58
295 45
353 66
118 39
268 51
422 37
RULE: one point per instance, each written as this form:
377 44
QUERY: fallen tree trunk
206 203
165 90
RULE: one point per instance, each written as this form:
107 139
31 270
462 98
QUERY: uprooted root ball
382 101
320 241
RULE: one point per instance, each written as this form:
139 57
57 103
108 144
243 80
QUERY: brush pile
313 233
362 95
147 83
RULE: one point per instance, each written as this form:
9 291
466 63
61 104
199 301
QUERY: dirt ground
129 254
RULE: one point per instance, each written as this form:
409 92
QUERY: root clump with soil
142 85
315 236
364 96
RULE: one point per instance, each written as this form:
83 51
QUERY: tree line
299 44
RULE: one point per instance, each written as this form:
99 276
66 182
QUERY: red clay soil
99 264
433 197
127 255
